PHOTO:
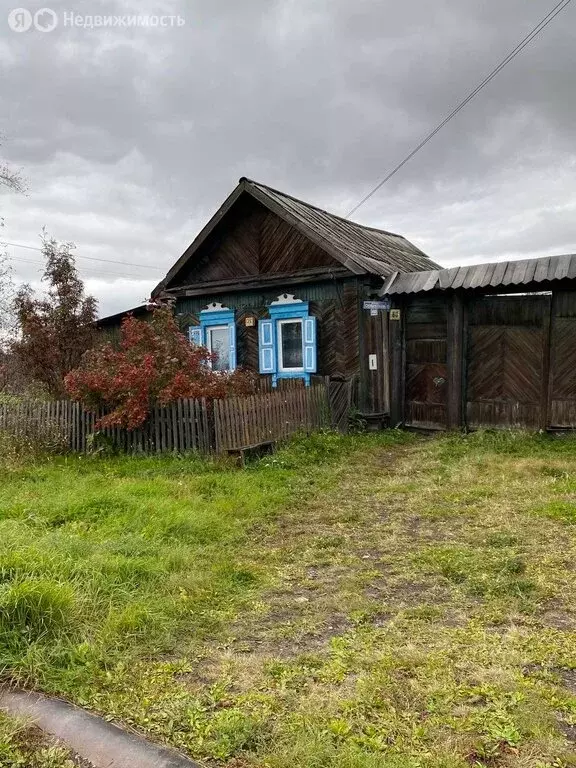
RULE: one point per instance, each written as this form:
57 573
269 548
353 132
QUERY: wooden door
426 363
374 386
506 361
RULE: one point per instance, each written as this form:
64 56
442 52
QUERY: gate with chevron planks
486 361
506 361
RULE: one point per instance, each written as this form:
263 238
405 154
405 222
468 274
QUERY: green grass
351 602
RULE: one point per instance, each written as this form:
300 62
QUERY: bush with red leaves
154 365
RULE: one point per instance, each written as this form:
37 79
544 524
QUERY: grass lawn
353 602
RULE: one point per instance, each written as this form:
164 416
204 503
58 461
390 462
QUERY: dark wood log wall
485 361
334 303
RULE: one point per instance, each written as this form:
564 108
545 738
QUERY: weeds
21 746
27 439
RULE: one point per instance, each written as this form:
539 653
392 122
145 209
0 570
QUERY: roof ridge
321 210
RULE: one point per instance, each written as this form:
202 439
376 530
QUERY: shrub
155 365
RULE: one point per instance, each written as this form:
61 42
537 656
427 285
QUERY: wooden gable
251 240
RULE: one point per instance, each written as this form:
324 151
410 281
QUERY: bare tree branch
12 179
7 295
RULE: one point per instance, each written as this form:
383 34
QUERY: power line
85 269
550 16
90 258
99 273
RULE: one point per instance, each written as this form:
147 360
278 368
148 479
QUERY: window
290 350
287 341
217 332
218 343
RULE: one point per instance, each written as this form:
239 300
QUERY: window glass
291 355
219 344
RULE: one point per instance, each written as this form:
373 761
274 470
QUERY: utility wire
550 16
90 258
84 269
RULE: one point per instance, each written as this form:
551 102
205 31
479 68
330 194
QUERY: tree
155 364
6 300
15 182
56 329
12 179
9 378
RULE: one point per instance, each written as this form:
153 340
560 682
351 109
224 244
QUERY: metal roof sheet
490 274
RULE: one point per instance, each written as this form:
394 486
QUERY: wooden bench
248 452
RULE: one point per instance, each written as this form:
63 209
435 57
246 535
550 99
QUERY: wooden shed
489 345
278 286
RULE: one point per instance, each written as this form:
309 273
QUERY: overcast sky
131 137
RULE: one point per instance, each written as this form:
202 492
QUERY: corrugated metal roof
373 250
494 275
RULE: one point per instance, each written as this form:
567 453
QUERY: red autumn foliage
155 364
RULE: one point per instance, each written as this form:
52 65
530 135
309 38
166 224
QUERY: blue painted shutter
232 331
310 344
266 346
195 335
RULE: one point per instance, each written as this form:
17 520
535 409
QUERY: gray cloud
131 137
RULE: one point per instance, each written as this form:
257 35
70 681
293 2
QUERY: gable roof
498 274
361 249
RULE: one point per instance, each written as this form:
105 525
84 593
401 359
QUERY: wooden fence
242 421
186 425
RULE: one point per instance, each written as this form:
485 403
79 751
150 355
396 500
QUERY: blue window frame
217 332
287 341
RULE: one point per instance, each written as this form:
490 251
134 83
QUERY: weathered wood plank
455 360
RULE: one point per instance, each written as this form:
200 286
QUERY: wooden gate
562 406
507 361
426 363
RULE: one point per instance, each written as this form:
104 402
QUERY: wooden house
278 286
